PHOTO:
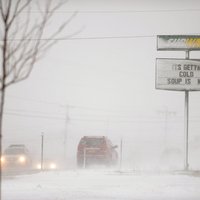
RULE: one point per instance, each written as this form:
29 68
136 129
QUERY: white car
16 157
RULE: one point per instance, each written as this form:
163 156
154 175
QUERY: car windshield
93 142
14 151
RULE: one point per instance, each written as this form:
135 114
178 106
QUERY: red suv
96 150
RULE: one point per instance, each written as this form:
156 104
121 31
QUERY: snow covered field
101 185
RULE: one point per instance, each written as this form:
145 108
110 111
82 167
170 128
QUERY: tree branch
18 10
21 56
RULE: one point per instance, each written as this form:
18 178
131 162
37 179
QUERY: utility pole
66 133
65 136
121 150
42 151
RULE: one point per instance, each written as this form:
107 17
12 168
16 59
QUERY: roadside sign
177 74
178 42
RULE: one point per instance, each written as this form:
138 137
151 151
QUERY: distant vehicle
16 157
94 150
47 165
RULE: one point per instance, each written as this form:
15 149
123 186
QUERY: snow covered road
101 185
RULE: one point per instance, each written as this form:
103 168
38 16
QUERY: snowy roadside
102 185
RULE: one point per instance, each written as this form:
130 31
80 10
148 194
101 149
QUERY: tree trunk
3 89
1 134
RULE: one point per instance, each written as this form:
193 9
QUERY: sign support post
186 120
186 114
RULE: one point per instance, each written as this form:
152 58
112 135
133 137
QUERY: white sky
107 80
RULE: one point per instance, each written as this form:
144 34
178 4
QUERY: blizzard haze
101 81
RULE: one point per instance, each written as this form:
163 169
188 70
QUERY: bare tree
22 43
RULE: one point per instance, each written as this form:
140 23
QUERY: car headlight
52 166
38 166
22 159
47 166
2 159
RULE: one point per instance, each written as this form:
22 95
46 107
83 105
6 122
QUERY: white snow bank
101 185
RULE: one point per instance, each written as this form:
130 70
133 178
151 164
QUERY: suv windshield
93 142
14 151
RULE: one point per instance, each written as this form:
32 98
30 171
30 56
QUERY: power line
83 38
34 116
96 37
32 100
110 37
99 111
120 11
90 108
23 111
74 106
131 120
